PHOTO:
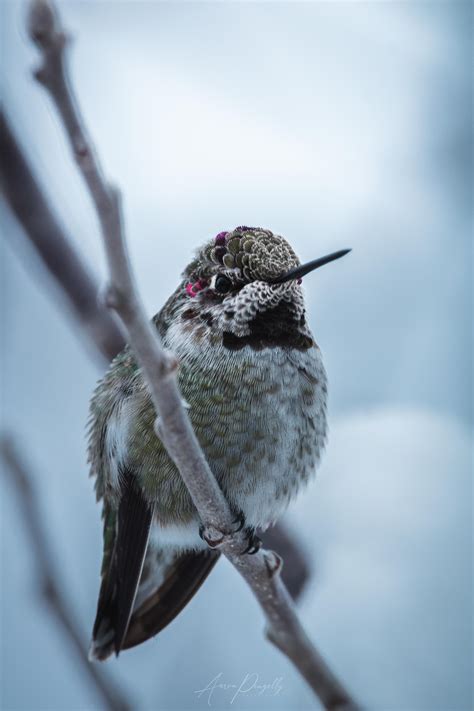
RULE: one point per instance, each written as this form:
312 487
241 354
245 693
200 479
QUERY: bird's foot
239 519
215 538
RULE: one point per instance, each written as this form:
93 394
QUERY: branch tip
273 563
41 20
44 27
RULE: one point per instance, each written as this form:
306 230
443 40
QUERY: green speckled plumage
252 376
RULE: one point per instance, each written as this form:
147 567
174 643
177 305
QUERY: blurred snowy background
334 124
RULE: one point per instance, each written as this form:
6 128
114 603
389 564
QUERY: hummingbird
252 377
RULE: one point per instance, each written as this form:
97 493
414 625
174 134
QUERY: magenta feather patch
220 238
193 289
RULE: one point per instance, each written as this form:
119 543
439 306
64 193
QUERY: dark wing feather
134 521
120 584
183 579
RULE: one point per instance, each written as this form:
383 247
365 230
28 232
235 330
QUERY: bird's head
245 286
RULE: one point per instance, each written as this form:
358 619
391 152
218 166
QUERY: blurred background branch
49 584
62 261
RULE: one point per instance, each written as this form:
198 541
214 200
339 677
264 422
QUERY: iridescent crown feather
256 253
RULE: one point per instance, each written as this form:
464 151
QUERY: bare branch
51 592
159 368
55 250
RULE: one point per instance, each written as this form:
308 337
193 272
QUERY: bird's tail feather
169 581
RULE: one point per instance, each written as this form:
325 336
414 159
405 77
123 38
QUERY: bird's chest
260 418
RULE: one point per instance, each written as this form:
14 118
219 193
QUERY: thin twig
77 283
159 368
51 592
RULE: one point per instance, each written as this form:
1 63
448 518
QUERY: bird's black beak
304 269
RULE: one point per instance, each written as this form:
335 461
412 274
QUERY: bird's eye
222 284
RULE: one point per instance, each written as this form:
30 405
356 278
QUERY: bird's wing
182 577
126 533
164 587
169 579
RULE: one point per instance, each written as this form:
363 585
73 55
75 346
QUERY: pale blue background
335 124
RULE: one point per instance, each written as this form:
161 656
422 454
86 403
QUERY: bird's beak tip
303 269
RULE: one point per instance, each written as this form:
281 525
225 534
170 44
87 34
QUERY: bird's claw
240 519
254 542
215 538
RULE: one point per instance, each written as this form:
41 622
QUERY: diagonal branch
159 368
18 473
